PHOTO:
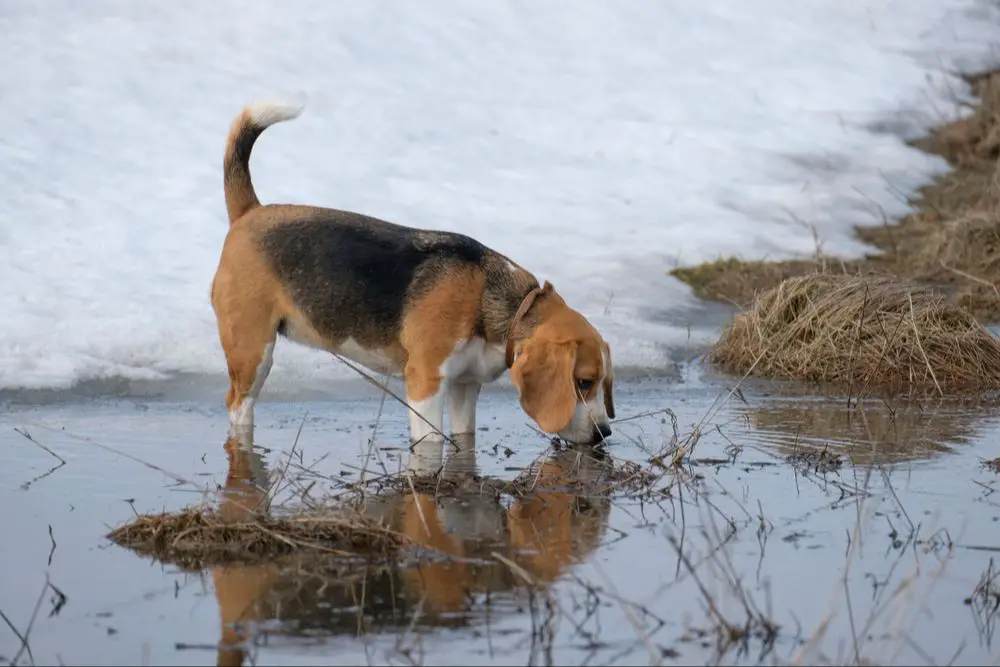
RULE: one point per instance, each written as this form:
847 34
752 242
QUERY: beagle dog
439 309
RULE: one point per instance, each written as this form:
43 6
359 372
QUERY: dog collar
522 310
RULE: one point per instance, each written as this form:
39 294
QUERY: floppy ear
609 379
543 375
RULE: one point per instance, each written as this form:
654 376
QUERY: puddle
480 554
871 433
793 529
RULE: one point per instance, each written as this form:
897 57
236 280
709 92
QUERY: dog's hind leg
248 308
248 338
249 366
249 359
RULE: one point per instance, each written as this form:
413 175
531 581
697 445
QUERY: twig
275 488
45 474
649 413
515 568
385 388
371 440
709 601
20 637
25 647
53 539
655 655
172 475
30 439
416 501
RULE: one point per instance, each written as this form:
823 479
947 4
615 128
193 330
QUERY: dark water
826 535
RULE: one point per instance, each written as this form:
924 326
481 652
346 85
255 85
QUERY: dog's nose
601 432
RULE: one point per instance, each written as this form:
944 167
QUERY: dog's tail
252 120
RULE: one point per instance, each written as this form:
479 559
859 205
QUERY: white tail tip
265 114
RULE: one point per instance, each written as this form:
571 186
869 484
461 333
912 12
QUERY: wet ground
796 530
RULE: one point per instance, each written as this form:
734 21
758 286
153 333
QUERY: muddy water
825 534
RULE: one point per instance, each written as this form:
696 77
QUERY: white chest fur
474 360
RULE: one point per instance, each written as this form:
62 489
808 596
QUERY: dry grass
861 334
964 255
198 537
735 281
951 241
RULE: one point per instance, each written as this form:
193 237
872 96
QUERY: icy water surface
783 500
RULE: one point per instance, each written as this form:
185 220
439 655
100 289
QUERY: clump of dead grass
199 537
860 334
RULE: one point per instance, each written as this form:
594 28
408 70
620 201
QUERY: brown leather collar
522 310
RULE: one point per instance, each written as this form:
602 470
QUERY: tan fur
563 347
445 581
248 302
543 375
542 526
435 323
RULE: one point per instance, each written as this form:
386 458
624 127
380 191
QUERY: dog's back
352 275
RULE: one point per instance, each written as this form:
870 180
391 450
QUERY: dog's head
563 373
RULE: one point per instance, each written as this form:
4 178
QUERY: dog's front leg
426 401
462 398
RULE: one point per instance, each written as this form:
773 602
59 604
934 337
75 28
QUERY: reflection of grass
985 602
870 434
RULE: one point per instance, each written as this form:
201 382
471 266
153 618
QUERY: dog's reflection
557 524
240 591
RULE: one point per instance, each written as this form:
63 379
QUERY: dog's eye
584 385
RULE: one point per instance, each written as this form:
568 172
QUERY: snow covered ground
596 143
